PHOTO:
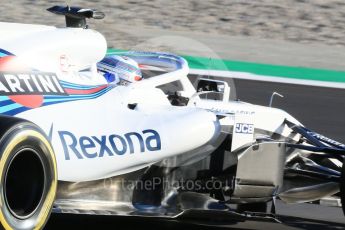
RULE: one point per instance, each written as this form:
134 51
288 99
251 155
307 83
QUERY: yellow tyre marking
46 208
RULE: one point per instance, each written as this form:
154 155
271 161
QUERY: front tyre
28 175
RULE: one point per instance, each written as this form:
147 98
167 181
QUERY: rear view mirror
206 85
214 89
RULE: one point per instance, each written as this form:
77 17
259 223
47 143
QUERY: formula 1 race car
85 133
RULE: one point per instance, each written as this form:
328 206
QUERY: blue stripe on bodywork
16 111
7 107
10 107
77 97
5 103
77 86
6 53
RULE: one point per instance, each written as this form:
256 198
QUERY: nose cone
190 129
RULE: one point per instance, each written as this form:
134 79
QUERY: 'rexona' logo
92 147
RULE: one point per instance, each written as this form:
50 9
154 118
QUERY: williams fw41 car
82 132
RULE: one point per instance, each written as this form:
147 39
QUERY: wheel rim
24 183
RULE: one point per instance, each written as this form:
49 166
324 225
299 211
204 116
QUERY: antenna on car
68 3
76 16
272 96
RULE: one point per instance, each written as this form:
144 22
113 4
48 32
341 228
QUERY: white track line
255 77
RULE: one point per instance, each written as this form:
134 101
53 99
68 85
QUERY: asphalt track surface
320 109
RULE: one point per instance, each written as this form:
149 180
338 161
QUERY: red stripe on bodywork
85 91
30 101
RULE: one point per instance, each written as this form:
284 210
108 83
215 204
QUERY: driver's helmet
119 69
